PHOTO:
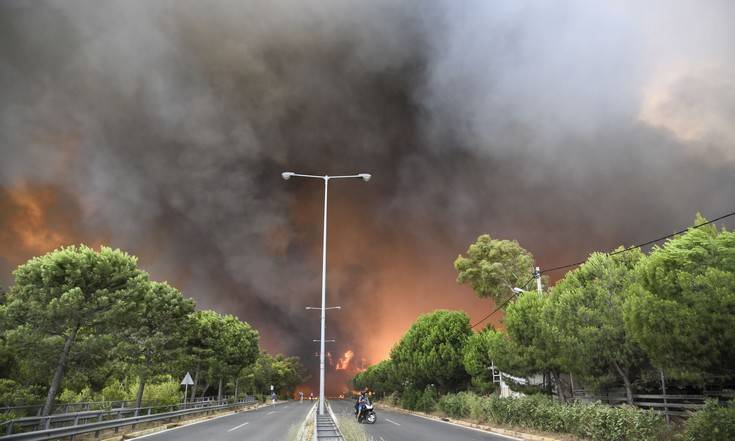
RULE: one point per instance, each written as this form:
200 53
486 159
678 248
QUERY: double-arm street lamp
288 175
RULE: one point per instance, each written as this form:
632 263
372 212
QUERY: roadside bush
456 405
714 422
597 422
70 396
393 399
427 401
115 391
166 392
409 399
13 394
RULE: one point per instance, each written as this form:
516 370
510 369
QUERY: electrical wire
633 247
515 294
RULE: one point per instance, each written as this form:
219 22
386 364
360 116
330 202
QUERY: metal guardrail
325 426
49 421
61 408
98 426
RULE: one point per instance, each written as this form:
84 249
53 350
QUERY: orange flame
344 361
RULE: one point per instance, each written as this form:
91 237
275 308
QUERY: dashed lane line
391 421
237 427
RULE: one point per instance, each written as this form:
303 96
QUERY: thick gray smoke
161 127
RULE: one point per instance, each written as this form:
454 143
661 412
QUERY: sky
162 127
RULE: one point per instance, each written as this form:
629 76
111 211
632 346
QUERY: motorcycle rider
361 402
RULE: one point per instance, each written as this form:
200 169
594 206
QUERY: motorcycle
367 414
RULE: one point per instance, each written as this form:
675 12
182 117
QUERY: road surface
270 423
394 426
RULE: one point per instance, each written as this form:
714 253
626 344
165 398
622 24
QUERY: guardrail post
47 424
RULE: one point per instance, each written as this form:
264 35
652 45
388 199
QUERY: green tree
228 343
201 348
682 310
536 343
69 292
380 378
494 267
478 360
284 373
158 336
432 351
586 309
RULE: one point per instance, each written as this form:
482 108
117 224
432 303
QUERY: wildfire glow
344 361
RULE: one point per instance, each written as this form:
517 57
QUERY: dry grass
351 430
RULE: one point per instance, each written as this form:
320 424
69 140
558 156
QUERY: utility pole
537 275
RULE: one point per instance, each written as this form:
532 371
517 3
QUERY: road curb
498 430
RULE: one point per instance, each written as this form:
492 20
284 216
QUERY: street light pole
324 300
365 177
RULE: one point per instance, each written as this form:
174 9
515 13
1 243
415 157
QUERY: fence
65 424
682 405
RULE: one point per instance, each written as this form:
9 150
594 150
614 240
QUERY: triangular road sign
187 380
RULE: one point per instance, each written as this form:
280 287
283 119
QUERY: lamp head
365 176
517 290
287 175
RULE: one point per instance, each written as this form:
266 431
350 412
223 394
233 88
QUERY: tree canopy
682 311
72 292
93 324
585 309
494 267
432 350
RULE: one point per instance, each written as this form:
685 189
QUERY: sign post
186 382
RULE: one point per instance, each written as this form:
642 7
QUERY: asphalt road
394 426
271 423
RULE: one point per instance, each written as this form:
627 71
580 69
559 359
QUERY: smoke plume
161 127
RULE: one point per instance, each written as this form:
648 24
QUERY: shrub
115 391
456 405
714 422
13 394
69 396
427 401
597 422
409 398
167 392
393 399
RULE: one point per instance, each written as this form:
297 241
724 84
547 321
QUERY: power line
633 247
515 294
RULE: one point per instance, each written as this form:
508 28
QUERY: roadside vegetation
624 319
351 430
86 325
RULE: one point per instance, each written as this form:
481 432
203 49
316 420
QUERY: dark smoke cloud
571 127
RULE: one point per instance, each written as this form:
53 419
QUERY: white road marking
237 427
466 427
186 425
391 421
382 439
272 411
